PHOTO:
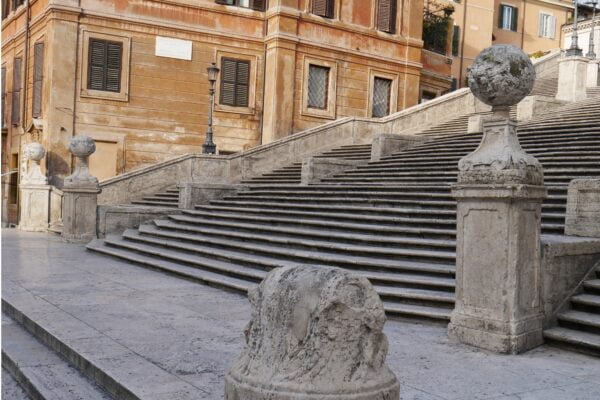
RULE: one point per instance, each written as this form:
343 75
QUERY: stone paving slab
11 389
188 335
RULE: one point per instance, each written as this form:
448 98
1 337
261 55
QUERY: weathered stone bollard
315 333
499 195
35 192
80 194
583 208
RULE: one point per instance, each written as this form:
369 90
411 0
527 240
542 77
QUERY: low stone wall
116 219
566 261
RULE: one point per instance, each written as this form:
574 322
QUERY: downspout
462 45
264 80
75 72
523 27
406 60
26 59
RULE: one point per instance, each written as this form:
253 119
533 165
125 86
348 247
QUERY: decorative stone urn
35 152
499 195
315 333
80 190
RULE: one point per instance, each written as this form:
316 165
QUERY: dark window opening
508 17
235 82
104 65
382 90
38 78
323 8
455 40
258 5
16 92
318 87
386 15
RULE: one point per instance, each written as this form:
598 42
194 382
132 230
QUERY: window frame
513 23
251 6
330 111
393 22
253 59
84 91
330 9
541 28
393 99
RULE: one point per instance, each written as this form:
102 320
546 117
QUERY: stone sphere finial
315 333
35 151
82 146
501 75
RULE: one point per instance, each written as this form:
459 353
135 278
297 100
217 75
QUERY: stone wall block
593 74
191 194
572 79
583 208
315 333
387 144
536 106
316 168
35 205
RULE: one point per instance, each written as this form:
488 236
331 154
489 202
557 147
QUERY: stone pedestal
583 208
498 288
572 78
315 168
79 213
191 194
593 74
475 124
35 207
387 143
535 106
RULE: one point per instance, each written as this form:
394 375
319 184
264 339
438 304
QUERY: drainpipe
26 59
462 45
523 27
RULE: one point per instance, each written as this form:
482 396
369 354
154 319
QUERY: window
104 65
382 89
323 8
547 25
5 8
16 93
13 184
386 16
508 17
17 3
258 5
235 79
3 110
455 40
38 78
318 84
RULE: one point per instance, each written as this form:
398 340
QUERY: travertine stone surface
315 333
387 143
316 168
583 208
475 124
191 194
34 152
35 207
501 75
593 73
536 106
572 78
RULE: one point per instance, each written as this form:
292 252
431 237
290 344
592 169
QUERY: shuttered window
323 8
3 110
235 79
38 78
508 17
318 86
258 5
382 89
16 92
17 3
386 15
104 65
455 40
5 8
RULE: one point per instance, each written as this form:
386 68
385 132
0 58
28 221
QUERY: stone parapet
583 208
191 194
316 168
117 218
388 143
572 78
532 107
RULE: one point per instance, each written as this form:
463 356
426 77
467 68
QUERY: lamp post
209 147
591 54
574 50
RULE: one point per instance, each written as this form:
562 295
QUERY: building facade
132 75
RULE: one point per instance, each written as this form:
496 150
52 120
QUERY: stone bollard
583 208
80 193
315 333
499 196
35 193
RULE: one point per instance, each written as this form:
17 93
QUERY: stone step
582 321
584 342
156 203
586 302
41 372
417 311
592 286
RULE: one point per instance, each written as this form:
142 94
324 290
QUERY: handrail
14 171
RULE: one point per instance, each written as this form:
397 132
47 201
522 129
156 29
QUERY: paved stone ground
11 389
194 332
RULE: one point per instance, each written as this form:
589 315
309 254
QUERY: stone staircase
392 221
579 327
593 92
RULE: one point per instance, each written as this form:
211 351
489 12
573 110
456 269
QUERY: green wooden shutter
514 23
38 77
501 16
258 5
104 65
16 95
323 8
228 73
455 40
96 64
242 81
114 55
386 16
3 110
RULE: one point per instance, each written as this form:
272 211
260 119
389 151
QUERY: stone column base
35 207
79 214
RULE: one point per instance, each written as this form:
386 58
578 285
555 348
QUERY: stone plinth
475 124
316 168
593 74
583 208
498 294
35 207
191 194
315 333
79 214
572 78
536 106
387 143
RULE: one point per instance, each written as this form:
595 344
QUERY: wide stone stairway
392 221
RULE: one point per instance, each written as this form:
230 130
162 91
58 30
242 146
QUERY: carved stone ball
82 146
35 151
315 333
501 75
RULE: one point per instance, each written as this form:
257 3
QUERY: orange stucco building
132 74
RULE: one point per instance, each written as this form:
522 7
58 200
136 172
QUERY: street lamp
574 50
591 54
209 147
